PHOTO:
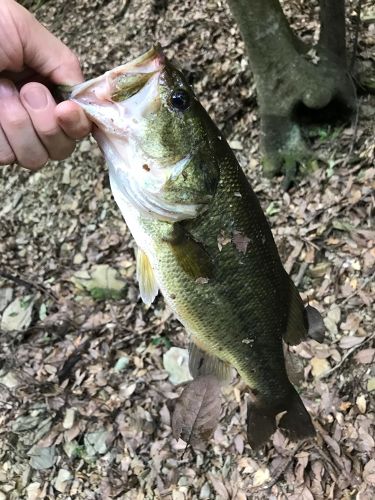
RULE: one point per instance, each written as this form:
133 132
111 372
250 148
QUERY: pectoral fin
148 286
202 363
191 255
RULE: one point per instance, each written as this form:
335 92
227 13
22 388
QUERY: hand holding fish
33 128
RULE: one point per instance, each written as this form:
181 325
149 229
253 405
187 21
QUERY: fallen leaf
33 491
69 418
97 442
261 477
365 356
42 458
350 341
222 240
102 282
237 145
361 403
369 472
241 241
6 295
62 480
197 410
371 384
17 316
10 380
176 363
319 366
121 364
222 492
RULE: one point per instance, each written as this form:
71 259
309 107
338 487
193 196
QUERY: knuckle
17 120
48 132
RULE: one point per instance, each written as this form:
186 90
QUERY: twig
346 355
28 284
301 273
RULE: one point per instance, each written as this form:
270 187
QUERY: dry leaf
197 410
219 487
241 241
176 363
347 342
319 366
369 472
365 356
261 477
17 316
361 403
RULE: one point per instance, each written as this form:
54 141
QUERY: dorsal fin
148 286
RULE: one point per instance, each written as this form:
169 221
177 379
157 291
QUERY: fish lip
143 67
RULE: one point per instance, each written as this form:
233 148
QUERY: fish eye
180 100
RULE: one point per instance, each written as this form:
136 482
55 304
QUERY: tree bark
292 80
332 28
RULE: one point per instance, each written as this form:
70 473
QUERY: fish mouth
122 82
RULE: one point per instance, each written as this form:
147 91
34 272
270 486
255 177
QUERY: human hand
33 128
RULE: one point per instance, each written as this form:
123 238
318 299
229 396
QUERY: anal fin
148 286
202 363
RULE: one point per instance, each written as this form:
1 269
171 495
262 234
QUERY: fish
202 238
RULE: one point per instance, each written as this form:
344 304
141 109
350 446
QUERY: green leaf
42 311
102 282
17 316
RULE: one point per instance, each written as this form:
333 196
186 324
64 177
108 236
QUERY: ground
85 400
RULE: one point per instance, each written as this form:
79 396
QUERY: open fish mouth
124 80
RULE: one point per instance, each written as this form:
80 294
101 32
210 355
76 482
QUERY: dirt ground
85 400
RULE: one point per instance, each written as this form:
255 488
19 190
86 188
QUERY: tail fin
261 421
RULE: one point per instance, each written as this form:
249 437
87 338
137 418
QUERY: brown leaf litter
85 403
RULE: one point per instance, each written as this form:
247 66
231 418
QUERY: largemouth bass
202 237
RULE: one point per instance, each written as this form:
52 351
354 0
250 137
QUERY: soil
85 401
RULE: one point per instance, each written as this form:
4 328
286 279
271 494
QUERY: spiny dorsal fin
202 363
148 286
190 254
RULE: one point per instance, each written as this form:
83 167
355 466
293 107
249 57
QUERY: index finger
43 52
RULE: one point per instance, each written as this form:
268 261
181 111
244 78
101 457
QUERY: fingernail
36 97
6 89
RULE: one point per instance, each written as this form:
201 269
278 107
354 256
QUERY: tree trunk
294 82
